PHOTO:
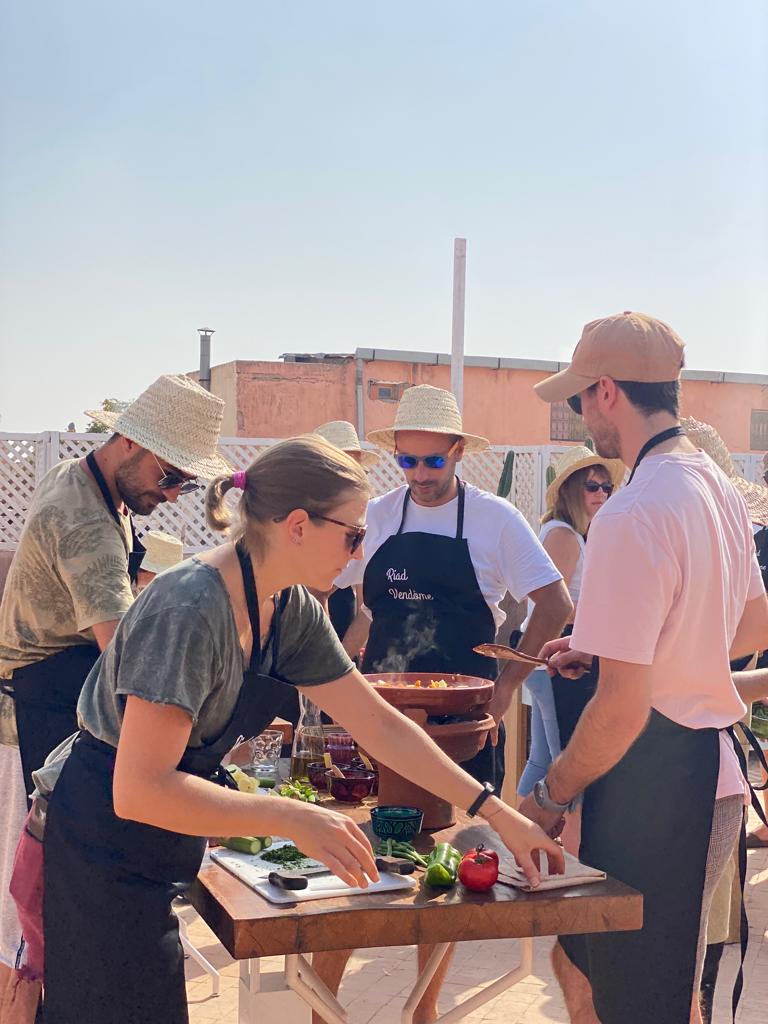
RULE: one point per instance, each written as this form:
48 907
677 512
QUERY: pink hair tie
239 479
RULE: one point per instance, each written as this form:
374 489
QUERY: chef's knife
297 880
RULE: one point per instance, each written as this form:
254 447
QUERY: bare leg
330 965
426 1011
577 991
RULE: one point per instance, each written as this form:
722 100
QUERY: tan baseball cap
627 346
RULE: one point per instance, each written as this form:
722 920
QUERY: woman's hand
525 840
560 658
332 838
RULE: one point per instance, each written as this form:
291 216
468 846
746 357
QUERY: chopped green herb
286 856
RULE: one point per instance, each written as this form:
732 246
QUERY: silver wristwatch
545 801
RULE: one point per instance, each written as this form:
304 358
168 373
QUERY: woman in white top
583 484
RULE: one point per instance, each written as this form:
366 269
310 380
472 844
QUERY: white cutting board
252 870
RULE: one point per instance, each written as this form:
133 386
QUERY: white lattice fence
18 478
25 458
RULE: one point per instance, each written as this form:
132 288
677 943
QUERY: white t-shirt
574 584
505 552
669 566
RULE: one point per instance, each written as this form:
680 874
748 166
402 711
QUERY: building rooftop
495 363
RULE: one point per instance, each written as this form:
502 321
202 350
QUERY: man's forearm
752 686
356 636
605 732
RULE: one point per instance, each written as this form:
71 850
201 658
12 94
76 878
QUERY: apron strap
252 601
738 984
460 512
406 499
136 555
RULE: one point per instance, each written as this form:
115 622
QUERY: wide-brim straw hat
176 420
430 411
707 438
163 551
343 435
581 457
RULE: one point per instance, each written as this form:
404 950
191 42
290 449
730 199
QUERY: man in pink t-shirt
671 590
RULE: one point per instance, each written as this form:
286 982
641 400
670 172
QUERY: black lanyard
654 442
137 554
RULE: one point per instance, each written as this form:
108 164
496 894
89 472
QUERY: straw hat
432 411
343 435
581 457
163 551
178 421
707 438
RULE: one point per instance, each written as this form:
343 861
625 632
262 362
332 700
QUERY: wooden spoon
507 654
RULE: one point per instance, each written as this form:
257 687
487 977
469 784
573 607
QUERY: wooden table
250 927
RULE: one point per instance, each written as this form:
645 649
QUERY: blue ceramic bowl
396 822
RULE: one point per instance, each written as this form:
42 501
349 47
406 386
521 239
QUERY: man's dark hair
650 398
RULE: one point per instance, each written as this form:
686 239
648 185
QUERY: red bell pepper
479 869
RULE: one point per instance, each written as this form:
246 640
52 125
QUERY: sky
293 175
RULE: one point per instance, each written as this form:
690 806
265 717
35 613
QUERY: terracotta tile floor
378 980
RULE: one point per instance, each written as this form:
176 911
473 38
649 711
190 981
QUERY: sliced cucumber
247 844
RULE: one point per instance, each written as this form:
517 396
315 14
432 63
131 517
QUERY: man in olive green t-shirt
69 585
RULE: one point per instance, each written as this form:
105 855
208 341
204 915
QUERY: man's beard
605 436
137 499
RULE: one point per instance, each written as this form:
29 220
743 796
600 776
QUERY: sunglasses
172 480
593 487
574 403
430 461
355 535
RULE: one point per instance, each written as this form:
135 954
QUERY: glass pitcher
308 738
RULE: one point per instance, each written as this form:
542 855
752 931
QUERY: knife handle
395 865
292 880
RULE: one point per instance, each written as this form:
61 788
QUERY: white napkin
576 873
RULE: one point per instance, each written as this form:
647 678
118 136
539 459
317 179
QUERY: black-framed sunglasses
355 535
574 403
593 487
430 461
170 481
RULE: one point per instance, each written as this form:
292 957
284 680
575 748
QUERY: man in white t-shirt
671 591
440 555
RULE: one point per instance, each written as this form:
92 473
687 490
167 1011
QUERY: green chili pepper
443 866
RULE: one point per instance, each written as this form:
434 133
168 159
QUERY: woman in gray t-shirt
135 799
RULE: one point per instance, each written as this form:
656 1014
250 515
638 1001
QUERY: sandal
754 842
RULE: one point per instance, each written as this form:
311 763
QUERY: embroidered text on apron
428 613
112 946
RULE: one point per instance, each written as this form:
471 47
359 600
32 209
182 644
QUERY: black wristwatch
474 807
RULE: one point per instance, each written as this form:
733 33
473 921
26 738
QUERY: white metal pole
457 326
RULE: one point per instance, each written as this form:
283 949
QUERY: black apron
46 693
428 613
647 822
112 946
341 609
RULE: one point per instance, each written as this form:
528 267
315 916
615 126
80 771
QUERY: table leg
306 983
194 952
248 989
523 970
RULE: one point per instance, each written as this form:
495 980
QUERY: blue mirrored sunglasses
430 461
